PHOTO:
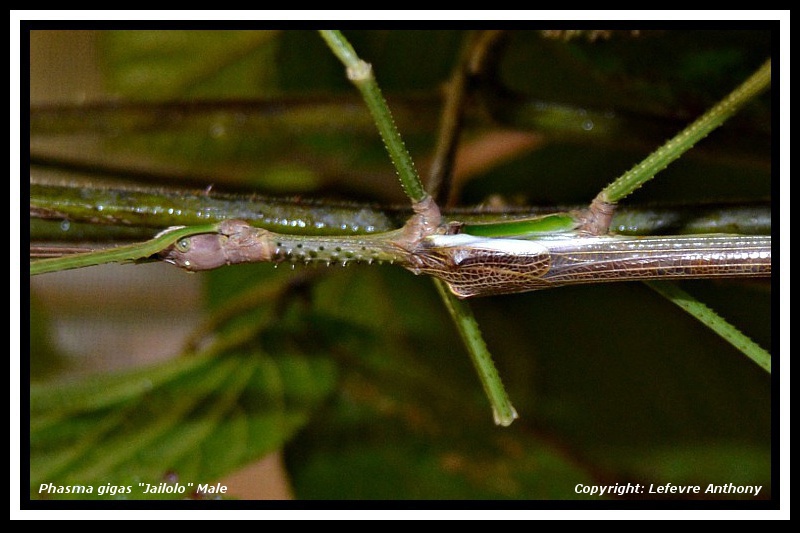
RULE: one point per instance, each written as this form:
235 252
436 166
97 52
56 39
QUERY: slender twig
130 214
258 296
470 65
504 412
602 206
469 73
360 73
713 321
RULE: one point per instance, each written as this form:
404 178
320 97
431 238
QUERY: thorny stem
70 213
360 73
504 412
712 320
599 214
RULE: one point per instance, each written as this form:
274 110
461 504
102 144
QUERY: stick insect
186 247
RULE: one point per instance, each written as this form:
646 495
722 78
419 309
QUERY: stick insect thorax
238 242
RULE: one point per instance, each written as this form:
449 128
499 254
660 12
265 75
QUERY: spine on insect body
332 251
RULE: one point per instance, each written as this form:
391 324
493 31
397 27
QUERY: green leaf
190 65
168 64
193 419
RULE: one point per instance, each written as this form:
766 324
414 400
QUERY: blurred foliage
192 420
47 360
358 373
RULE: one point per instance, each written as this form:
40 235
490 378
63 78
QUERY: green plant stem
360 73
504 412
686 139
715 322
131 214
159 208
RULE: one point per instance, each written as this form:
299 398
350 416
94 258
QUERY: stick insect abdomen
476 266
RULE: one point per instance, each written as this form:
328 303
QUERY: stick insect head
235 242
198 252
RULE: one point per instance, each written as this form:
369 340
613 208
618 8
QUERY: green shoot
715 322
686 139
360 73
504 412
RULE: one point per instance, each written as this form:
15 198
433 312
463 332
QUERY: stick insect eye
183 245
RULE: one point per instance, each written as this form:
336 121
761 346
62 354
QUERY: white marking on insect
466 243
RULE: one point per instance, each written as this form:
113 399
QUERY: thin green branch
159 208
360 73
715 322
504 412
132 214
686 139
